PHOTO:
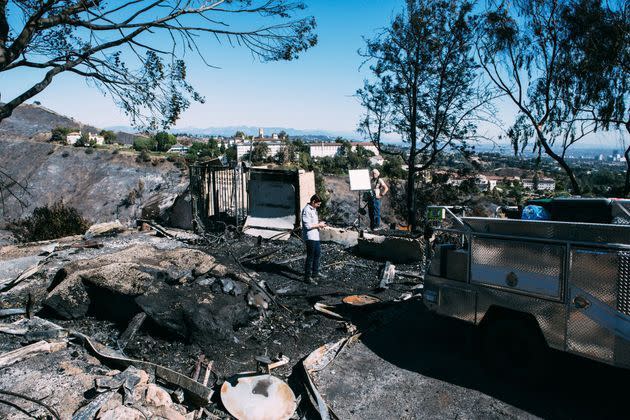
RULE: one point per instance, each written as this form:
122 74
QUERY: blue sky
313 92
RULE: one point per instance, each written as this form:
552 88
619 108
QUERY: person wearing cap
310 232
379 189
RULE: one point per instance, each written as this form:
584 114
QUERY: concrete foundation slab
347 238
396 249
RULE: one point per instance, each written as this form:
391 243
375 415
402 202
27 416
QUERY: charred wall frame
218 194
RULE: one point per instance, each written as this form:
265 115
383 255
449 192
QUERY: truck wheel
514 348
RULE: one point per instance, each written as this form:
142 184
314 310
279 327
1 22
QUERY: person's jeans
313 253
375 213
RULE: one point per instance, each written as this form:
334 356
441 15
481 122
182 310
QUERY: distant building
544 184
486 182
73 137
179 149
273 147
329 149
98 140
376 160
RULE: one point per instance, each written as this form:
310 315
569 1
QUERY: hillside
35 122
103 185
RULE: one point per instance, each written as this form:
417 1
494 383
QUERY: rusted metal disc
259 397
360 300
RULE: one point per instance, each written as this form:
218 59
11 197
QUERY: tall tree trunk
411 190
411 176
626 186
575 186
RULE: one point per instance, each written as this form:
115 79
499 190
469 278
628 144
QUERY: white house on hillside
72 138
544 184
98 140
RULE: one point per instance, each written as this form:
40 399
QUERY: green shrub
144 156
49 222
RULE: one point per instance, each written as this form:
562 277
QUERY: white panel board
359 179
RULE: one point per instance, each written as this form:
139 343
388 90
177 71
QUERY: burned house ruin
263 202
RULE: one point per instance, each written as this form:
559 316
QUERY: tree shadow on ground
412 338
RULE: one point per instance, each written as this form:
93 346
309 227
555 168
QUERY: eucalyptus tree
134 50
538 55
424 84
595 66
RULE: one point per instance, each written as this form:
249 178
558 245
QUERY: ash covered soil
406 363
197 297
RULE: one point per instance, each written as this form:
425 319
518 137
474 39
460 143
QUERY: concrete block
396 249
343 237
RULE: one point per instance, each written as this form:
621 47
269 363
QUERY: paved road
418 365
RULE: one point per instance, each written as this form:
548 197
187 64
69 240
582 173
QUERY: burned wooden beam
156 227
51 334
89 411
133 327
31 350
411 274
12 311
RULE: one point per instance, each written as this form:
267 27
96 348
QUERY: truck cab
562 281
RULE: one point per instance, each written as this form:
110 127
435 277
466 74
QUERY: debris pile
162 323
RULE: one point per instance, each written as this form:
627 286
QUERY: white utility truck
563 282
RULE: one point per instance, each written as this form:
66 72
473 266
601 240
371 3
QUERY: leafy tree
594 66
83 141
59 134
259 153
230 153
164 141
535 52
392 167
113 44
144 143
287 154
239 135
199 150
424 84
109 136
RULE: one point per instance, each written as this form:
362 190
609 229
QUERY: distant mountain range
252 130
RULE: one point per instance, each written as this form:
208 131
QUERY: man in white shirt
310 233
379 189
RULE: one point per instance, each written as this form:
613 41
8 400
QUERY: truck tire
514 348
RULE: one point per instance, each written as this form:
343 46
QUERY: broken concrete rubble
104 229
122 275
